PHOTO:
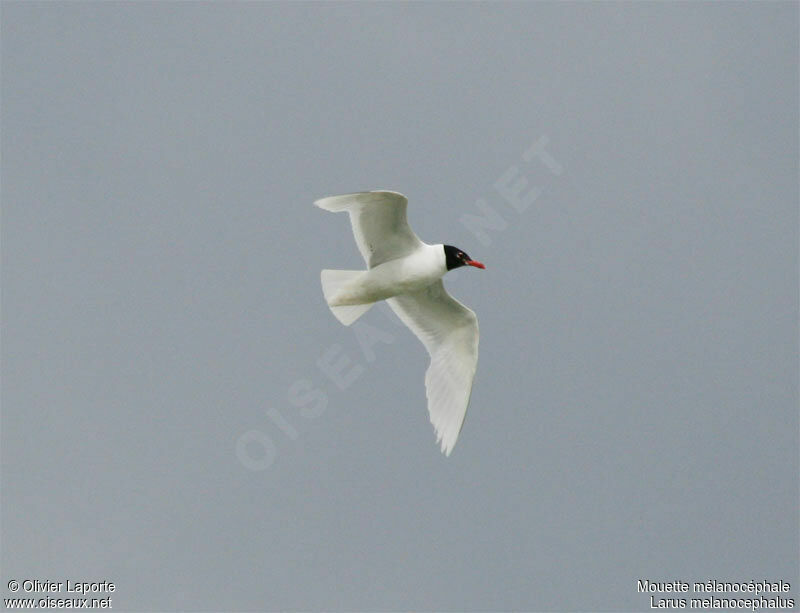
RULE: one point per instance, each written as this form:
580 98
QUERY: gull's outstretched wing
379 224
449 331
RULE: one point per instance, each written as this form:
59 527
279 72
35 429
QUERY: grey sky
635 411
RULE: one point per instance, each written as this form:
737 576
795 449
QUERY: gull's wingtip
320 202
446 443
344 202
335 204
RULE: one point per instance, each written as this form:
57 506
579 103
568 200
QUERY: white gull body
407 273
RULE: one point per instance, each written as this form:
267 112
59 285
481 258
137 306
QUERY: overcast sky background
635 410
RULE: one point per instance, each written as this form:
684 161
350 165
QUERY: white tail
332 282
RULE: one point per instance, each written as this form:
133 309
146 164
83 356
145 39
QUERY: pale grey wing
379 224
449 331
